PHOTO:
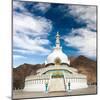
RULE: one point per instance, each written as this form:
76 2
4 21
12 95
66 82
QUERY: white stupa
57 53
58 75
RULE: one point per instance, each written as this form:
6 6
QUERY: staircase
56 84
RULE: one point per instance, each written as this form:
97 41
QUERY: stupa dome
57 53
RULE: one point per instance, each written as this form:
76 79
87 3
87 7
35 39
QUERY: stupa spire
57 40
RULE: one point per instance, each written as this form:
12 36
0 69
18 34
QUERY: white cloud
18 56
28 45
43 7
84 41
84 13
18 5
27 26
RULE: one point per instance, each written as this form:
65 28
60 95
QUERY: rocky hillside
83 64
22 71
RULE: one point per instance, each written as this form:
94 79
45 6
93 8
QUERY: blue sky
35 26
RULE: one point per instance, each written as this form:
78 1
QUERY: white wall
35 87
39 85
76 83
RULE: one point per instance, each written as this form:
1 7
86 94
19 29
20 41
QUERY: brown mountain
83 64
22 71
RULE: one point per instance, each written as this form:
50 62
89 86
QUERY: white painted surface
57 53
56 84
76 85
35 87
